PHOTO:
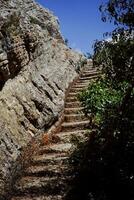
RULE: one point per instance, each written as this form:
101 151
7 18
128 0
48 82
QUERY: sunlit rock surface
36 68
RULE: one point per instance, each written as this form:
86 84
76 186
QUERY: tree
120 11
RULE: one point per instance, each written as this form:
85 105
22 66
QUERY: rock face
36 68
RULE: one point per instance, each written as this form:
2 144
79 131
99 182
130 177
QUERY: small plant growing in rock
80 64
12 26
36 21
66 42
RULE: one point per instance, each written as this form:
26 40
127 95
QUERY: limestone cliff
36 68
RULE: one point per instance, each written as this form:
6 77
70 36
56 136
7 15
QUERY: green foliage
103 166
121 11
99 97
12 25
36 21
116 58
80 64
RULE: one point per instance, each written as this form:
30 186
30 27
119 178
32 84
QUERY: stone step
72 94
55 148
72 104
86 81
54 158
76 110
89 71
40 185
89 74
71 99
41 197
68 136
68 126
88 77
76 89
48 171
80 85
74 117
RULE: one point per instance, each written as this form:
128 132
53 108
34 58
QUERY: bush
104 166
116 58
101 98
12 25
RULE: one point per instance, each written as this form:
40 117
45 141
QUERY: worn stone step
48 171
74 117
76 110
89 70
72 94
54 158
72 104
79 88
67 126
88 77
76 89
89 73
69 136
40 185
86 81
55 148
38 197
71 99
78 85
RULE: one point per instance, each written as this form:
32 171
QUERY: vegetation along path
48 176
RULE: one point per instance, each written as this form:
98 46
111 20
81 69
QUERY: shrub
101 97
12 25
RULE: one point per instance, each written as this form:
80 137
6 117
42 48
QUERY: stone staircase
48 175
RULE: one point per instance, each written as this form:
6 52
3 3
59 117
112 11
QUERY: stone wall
36 68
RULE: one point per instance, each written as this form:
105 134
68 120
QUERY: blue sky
80 21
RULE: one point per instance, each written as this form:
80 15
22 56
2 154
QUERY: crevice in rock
52 88
58 86
7 147
38 105
44 78
43 90
48 83
25 126
2 83
22 123
49 110
11 141
48 95
31 118
35 85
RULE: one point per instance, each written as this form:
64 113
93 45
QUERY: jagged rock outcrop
36 68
